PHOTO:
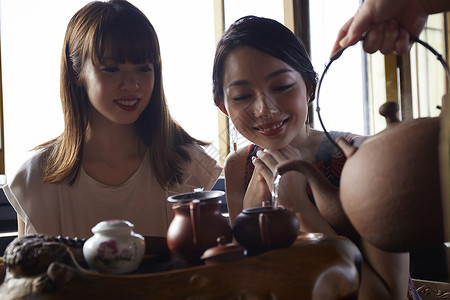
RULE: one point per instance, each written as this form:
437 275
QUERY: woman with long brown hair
121 154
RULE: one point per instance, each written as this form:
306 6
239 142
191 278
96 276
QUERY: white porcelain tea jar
114 247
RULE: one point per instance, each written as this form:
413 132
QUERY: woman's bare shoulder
235 161
235 181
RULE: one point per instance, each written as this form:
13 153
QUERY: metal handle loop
338 54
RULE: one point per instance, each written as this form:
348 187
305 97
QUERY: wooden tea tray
315 267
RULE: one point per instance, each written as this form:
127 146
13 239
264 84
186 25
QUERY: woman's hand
267 160
260 187
257 191
292 186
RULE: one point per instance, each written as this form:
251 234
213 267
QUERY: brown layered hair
126 31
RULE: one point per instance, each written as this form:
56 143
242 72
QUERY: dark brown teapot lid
223 252
213 195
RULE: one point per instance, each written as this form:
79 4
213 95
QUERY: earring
307 123
234 137
307 127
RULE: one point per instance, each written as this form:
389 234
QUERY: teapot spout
326 195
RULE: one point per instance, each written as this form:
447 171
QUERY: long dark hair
266 35
124 29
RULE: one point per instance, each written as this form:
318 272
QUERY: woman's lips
273 128
127 104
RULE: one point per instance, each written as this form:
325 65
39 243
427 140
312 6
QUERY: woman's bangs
128 43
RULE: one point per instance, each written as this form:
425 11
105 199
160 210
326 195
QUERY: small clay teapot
390 185
197 224
264 228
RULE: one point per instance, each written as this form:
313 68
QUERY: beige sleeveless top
58 209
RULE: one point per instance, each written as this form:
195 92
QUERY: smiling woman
261 97
31 77
120 152
136 80
263 81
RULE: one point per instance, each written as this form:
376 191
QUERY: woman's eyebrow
270 76
109 60
238 83
277 72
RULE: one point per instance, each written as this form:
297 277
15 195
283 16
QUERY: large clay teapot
197 224
390 185
265 228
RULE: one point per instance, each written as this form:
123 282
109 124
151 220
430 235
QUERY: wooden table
315 267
